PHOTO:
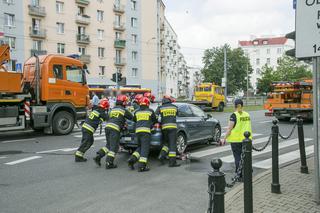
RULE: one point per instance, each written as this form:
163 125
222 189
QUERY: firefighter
145 118
115 123
168 113
89 127
239 123
136 101
149 96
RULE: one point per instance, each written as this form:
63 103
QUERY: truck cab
212 94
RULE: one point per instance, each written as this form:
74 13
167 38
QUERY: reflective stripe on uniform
143 129
172 154
111 154
105 149
168 111
79 154
96 113
165 148
119 111
136 154
113 126
88 127
143 160
169 126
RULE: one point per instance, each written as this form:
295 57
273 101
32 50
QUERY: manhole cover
10 152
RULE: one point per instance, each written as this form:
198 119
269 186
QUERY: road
38 174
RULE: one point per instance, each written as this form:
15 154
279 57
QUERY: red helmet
147 94
152 98
145 101
138 98
168 98
123 99
104 104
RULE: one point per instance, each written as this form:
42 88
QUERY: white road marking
20 140
253 135
97 134
225 127
285 158
57 150
285 144
263 122
23 160
3 157
216 150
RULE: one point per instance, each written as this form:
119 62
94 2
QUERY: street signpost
308 45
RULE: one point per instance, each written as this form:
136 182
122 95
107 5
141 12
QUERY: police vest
243 125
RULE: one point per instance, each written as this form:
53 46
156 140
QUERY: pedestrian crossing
289 151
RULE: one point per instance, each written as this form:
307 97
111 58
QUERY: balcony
86 59
83 2
38 52
37 33
83 19
118 26
119 61
118 8
83 39
37 11
121 44
162 27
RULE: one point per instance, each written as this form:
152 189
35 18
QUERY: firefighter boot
97 159
80 159
131 161
110 164
143 167
162 157
100 154
173 162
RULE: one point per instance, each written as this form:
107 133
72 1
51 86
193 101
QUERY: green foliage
237 65
289 69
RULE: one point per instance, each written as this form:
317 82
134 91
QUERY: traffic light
119 77
292 36
114 77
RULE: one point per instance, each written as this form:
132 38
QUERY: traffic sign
308 28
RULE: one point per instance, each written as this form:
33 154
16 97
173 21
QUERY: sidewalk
297 192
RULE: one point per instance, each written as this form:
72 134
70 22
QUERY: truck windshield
207 89
74 74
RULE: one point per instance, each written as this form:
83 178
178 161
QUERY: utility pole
225 72
117 82
247 83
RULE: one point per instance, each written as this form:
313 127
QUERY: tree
289 69
237 66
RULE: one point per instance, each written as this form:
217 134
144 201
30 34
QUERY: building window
99 15
268 51
268 61
9 20
265 42
258 71
118 20
35 3
134 39
134 55
101 70
133 5
278 61
100 34
60 48
134 72
36 45
60 28
59 7
279 50
9 1
82 50
118 35
11 41
100 52
133 22
258 61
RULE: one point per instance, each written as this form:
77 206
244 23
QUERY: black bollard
304 167
247 174
217 184
275 185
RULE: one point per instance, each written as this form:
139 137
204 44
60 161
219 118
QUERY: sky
202 24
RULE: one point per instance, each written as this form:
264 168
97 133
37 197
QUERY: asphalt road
38 174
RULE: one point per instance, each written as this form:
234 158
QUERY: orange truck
50 95
290 99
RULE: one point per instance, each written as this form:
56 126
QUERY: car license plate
127 138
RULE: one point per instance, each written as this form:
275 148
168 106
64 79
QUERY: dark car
194 126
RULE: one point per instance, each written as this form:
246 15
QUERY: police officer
89 127
145 118
239 123
115 123
168 113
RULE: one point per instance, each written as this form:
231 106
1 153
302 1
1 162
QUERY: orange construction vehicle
289 99
50 94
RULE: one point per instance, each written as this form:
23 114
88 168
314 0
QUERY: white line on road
20 140
216 150
285 158
57 150
263 122
3 157
23 160
285 144
225 127
253 135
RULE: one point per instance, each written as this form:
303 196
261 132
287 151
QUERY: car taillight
157 126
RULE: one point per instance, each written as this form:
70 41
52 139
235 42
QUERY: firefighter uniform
145 118
88 128
115 123
168 113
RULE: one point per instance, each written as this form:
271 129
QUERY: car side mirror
207 117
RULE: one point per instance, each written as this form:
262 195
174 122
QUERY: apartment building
264 51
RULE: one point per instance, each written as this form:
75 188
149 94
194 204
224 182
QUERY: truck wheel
63 123
220 107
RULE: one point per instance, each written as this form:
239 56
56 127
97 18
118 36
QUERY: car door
186 120
203 128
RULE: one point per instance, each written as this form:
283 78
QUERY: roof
264 41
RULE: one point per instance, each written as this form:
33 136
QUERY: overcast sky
203 24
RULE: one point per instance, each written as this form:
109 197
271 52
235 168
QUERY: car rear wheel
181 143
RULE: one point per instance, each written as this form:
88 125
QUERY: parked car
194 126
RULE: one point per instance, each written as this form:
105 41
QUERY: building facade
124 36
264 51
